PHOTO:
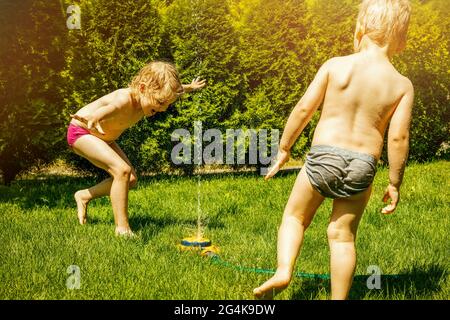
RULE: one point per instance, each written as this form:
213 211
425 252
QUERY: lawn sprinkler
199 244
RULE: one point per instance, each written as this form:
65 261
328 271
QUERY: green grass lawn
40 238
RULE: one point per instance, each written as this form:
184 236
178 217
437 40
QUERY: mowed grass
40 238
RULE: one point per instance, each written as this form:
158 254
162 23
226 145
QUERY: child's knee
121 171
133 181
339 234
297 217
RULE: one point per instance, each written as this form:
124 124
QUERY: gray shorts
339 173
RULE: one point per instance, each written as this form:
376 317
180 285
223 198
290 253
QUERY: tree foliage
426 62
258 57
116 39
31 56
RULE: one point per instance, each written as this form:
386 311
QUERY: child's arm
196 84
398 147
300 116
93 121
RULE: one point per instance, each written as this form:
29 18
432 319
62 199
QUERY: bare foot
272 287
82 202
125 233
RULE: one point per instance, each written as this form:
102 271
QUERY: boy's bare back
362 92
360 95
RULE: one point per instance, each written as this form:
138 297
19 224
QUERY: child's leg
298 214
341 237
102 189
105 157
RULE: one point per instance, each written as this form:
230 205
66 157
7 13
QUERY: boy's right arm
301 115
398 147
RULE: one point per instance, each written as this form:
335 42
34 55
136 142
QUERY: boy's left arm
300 116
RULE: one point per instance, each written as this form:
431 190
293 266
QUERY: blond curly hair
385 21
161 80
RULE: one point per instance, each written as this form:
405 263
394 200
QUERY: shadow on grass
55 191
149 226
51 192
416 282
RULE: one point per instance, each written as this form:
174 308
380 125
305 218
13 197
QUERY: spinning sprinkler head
201 245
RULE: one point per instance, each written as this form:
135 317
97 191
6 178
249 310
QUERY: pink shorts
74 132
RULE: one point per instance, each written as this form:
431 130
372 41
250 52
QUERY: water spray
198 242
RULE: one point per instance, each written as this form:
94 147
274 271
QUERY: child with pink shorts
95 127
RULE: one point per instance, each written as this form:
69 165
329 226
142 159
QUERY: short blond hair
385 21
161 79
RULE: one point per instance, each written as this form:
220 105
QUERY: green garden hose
215 259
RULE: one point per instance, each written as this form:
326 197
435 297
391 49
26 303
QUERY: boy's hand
91 123
282 157
393 194
197 84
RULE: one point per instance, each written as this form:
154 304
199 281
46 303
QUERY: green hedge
258 57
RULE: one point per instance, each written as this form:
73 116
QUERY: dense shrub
32 45
258 57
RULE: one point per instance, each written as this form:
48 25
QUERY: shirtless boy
361 95
95 127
